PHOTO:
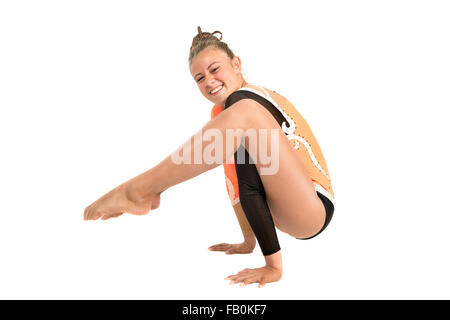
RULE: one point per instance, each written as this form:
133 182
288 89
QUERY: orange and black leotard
242 177
229 168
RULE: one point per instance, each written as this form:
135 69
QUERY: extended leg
290 192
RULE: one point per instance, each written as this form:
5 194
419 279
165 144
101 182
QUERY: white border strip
320 189
289 131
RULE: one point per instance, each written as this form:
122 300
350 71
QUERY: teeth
215 90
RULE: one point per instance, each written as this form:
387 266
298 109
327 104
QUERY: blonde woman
290 190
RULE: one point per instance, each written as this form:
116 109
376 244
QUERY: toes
96 215
114 215
87 213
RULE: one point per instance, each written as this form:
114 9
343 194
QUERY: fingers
248 276
229 248
244 271
244 274
234 276
220 247
250 280
232 250
245 279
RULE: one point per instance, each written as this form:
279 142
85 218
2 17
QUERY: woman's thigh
291 196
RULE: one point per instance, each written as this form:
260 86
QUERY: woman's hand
118 201
242 248
262 275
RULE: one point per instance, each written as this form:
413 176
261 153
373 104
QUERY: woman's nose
209 79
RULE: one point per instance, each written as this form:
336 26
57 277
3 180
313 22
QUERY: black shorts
329 209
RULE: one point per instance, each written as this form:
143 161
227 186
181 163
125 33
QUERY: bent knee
254 113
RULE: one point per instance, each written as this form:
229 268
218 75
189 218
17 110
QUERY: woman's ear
236 63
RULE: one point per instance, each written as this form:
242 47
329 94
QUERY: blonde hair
205 40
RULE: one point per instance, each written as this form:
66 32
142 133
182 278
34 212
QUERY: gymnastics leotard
243 182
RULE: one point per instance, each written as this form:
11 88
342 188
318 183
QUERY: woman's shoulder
256 88
252 91
261 91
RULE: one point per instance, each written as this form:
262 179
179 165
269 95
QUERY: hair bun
201 34
204 40
220 39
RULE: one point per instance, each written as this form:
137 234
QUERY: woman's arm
247 231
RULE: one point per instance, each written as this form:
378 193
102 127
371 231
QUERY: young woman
294 194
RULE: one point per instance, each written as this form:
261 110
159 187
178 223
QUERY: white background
93 93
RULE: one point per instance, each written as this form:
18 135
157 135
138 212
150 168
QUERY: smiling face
216 75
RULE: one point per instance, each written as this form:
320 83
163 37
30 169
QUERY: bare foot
261 275
117 202
244 247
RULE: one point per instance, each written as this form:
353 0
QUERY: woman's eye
213 70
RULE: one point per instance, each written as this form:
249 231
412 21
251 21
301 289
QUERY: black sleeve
251 190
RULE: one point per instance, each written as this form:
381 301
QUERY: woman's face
217 75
